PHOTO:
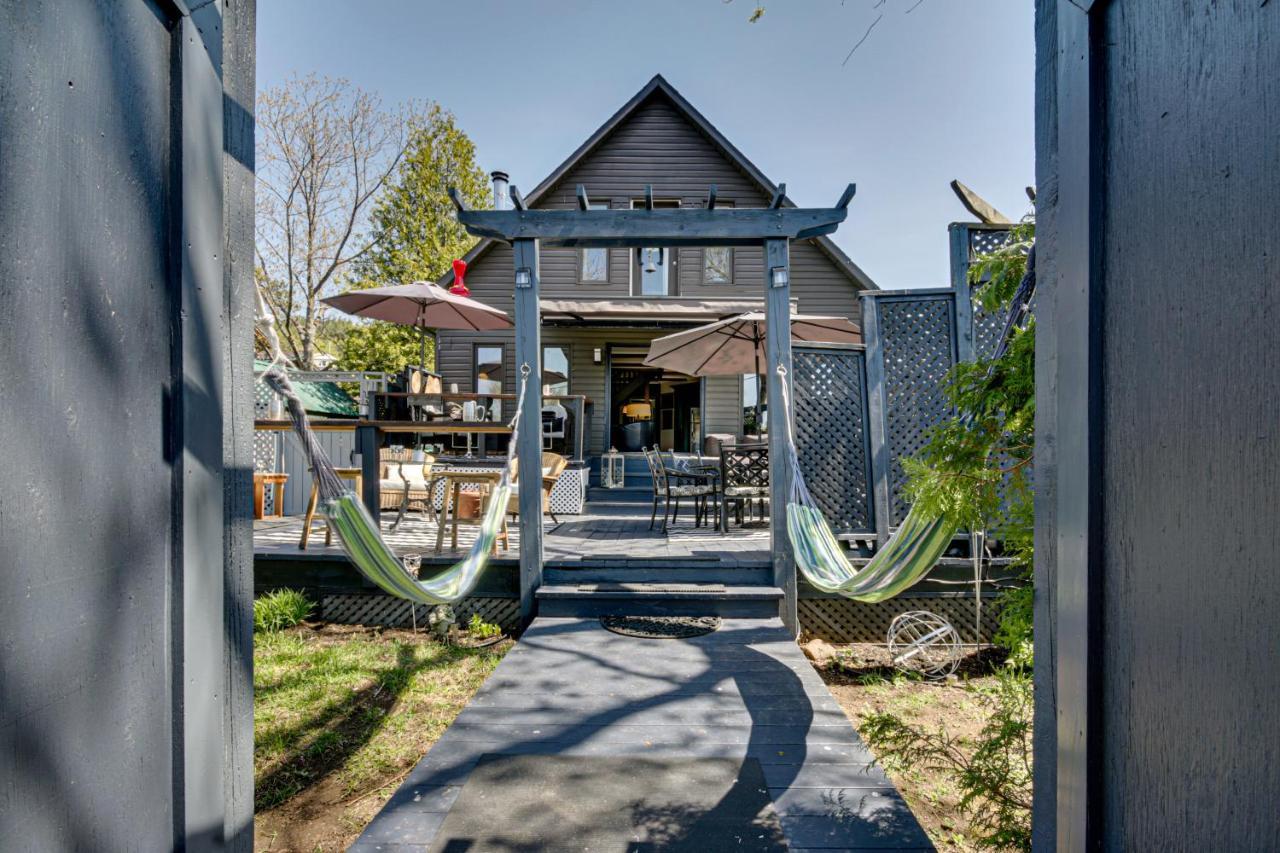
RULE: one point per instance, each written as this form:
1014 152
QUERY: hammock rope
915 547
359 533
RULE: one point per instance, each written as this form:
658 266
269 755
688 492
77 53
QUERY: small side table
453 482
262 479
352 474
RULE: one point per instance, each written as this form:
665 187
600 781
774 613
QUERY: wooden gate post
777 289
529 447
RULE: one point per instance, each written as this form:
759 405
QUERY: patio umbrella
423 305
737 344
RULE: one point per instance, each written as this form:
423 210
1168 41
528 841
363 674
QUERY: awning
663 310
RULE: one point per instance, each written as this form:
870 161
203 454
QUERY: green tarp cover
325 399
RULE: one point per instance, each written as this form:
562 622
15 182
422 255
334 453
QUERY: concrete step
649 599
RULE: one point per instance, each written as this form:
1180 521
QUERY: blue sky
942 91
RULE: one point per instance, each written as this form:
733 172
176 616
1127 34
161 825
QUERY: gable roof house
601 307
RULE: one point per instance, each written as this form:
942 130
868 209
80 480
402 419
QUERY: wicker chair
667 486
405 484
744 477
553 465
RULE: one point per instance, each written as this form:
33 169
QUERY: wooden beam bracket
779 196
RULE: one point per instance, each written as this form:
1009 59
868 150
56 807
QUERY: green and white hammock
359 533
910 552
913 549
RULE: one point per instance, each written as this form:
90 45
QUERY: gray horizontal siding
655 146
658 146
723 398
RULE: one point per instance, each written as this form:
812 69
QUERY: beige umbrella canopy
423 305
737 345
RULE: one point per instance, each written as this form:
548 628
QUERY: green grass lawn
340 714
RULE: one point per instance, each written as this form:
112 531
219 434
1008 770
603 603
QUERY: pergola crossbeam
639 228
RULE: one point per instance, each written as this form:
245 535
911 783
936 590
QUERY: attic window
717 265
717 261
593 264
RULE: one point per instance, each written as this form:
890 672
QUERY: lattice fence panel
842 620
831 434
376 609
987 326
918 337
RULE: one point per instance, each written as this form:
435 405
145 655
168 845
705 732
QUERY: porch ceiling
664 310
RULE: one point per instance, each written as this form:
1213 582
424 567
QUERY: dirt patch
342 713
864 683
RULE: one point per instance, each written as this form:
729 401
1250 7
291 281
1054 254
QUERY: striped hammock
360 534
914 548
896 566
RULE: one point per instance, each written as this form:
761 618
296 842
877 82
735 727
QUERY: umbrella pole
422 348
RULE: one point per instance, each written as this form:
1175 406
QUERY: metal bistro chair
663 487
744 477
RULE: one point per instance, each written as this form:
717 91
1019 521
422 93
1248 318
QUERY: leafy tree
382 346
415 234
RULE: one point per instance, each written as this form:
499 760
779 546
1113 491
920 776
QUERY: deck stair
651 599
656 587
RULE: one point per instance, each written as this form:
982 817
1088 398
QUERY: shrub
481 629
994 778
280 609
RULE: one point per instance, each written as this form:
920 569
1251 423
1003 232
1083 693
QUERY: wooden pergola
772 228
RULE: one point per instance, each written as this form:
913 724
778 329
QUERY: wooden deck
603 533
744 694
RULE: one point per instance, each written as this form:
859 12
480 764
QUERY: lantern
612 469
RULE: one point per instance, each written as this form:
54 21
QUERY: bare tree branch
325 150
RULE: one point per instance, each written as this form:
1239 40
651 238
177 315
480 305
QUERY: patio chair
553 465
405 484
744 477
670 485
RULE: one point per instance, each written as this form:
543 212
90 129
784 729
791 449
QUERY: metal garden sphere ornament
924 642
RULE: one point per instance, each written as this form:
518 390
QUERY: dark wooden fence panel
125 610
832 438
1164 408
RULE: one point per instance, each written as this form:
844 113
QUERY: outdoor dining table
453 483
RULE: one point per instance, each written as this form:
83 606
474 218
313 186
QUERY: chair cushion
746 491
688 491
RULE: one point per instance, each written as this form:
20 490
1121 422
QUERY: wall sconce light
780 277
524 277
596 357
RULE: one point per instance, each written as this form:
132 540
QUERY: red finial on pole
459 287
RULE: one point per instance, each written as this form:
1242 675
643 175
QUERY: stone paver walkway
571 689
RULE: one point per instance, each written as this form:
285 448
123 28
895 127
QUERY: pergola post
777 289
529 442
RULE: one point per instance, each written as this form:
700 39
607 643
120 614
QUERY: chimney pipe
501 197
